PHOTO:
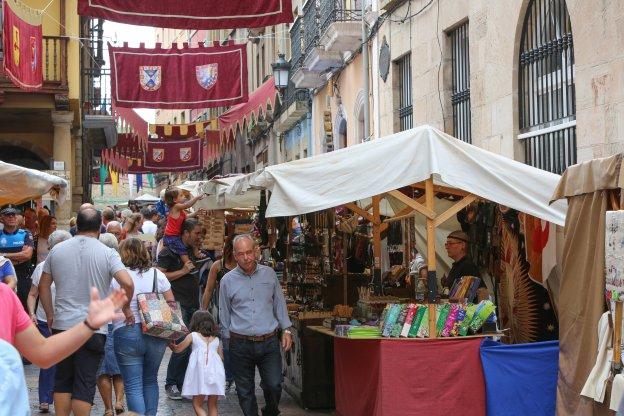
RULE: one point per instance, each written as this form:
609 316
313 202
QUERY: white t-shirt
143 283
36 277
149 227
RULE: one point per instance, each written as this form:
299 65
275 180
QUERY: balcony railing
291 95
296 57
311 32
54 66
96 97
339 11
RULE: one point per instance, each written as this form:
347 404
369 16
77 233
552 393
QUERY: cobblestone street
227 407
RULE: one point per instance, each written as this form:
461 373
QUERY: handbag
159 318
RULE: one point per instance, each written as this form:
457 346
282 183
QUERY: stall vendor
457 249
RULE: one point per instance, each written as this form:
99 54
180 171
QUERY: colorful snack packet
423 328
391 318
463 328
442 312
450 320
409 318
420 312
461 315
481 315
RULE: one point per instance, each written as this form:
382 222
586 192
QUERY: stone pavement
227 407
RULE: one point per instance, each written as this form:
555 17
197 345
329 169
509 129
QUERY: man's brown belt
257 338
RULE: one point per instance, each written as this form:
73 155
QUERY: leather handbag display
159 318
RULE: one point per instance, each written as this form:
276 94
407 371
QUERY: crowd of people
51 281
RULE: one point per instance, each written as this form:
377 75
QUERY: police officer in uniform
17 245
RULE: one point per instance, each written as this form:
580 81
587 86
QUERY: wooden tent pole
376 245
431 256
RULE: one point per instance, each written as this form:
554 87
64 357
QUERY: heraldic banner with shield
173 156
22 42
186 78
191 14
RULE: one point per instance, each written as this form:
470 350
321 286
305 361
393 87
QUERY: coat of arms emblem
207 75
33 53
150 77
158 155
16 46
185 154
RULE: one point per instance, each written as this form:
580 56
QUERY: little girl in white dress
205 375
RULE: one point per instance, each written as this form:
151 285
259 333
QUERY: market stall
19 184
387 171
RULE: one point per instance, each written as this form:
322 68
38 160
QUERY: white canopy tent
19 184
217 196
147 198
386 164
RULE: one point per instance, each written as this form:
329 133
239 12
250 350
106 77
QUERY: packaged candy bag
442 312
420 312
409 318
463 328
423 329
461 315
450 320
391 318
484 310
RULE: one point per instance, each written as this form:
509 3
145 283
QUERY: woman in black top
210 299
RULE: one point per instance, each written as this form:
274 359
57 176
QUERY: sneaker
173 393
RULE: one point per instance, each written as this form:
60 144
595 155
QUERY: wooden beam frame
458 206
441 189
362 212
426 211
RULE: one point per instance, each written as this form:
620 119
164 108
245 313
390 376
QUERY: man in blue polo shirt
16 245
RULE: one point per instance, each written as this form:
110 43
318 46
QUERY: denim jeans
139 358
46 376
178 362
245 356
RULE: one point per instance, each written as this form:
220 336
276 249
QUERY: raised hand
102 311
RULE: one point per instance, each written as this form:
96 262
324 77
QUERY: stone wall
495 29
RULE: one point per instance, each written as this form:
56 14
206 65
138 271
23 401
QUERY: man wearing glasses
457 249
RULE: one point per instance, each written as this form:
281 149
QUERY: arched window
546 87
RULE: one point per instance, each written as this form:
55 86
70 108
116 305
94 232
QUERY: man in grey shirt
75 266
252 311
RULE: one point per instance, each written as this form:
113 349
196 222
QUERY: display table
389 377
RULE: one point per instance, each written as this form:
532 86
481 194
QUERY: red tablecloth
391 377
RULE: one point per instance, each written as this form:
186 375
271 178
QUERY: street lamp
281 70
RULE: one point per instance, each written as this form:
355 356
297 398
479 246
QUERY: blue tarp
520 379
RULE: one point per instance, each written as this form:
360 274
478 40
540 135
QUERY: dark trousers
46 376
23 288
178 362
245 356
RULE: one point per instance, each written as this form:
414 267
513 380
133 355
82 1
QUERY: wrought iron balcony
294 105
96 93
311 32
340 25
54 67
296 40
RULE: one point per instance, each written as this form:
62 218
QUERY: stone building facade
539 81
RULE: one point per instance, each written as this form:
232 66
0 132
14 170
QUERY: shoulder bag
159 318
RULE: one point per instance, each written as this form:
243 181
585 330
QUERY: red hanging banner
173 156
191 14
186 78
22 43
